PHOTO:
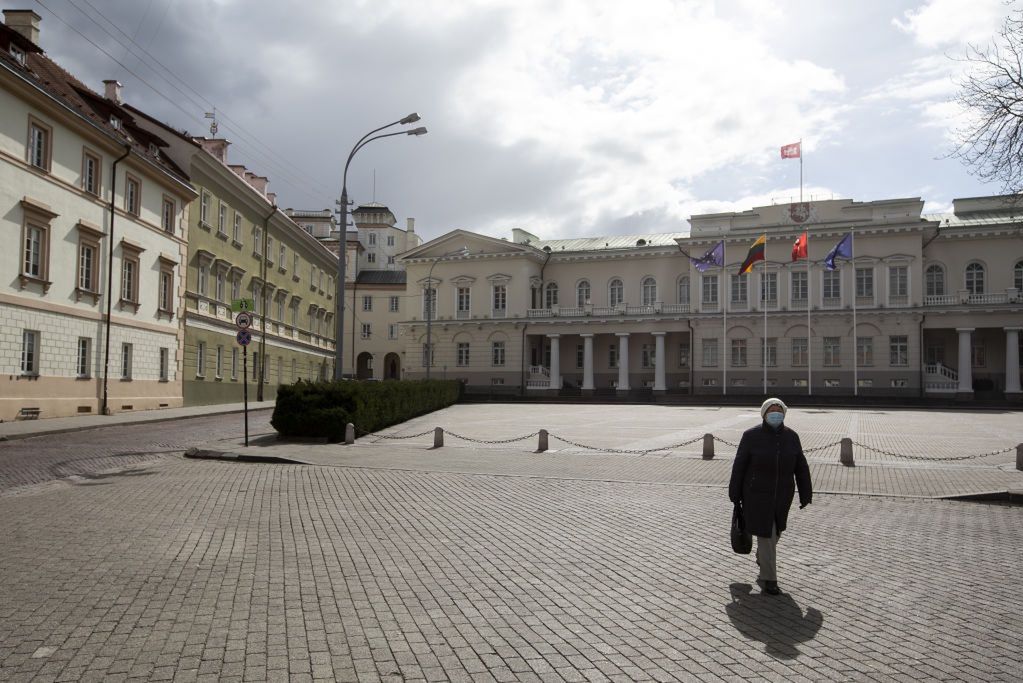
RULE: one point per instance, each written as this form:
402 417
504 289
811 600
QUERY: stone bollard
438 437
349 434
708 446
542 446
845 456
1019 457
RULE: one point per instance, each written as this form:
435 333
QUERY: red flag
793 151
799 248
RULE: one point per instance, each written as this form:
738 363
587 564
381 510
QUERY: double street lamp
342 247
431 301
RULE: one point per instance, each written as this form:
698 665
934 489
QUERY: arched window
683 290
649 291
551 298
1017 276
935 280
582 293
615 292
975 278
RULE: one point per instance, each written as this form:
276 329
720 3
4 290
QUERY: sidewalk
21 429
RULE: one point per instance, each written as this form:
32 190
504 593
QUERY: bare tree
991 92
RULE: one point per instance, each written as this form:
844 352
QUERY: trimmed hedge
322 409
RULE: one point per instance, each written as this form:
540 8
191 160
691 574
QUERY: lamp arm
362 143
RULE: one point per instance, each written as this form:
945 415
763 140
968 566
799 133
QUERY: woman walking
769 464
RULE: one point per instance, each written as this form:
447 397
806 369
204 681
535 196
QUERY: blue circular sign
244 337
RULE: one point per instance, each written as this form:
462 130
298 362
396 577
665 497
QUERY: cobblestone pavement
83 454
200 570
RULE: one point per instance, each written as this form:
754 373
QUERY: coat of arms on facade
799 212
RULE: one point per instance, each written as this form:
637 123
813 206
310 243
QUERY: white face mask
774 419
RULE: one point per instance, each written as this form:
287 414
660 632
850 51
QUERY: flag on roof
756 253
793 151
799 249
841 250
714 257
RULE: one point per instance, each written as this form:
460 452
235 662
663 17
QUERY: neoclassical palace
918 306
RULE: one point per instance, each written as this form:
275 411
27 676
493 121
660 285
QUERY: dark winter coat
766 464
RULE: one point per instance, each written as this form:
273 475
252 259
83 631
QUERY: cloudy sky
566 118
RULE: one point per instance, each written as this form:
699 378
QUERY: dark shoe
771 588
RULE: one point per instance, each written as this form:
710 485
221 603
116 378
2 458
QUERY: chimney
25 22
272 196
411 224
215 147
112 91
239 169
258 182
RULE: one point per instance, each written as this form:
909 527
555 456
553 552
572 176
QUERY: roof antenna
213 124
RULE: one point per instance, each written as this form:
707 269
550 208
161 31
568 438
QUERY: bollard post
1019 457
349 434
542 446
438 437
708 446
845 456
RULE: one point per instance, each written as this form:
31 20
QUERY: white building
927 306
90 296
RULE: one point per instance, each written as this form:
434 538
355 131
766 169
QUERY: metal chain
393 436
938 459
727 443
517 438
625 451
821 448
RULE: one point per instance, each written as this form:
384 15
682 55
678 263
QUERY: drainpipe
263 305
105 408
522 360
923 316
692 356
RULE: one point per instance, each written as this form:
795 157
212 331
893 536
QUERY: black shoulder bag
742 540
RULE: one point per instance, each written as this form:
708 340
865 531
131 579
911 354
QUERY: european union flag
714 257
841 250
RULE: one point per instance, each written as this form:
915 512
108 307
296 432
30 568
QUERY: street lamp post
342 247
431 299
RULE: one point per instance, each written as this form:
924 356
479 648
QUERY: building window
218 365
975 278
84 355
799 383
91 170
769 352
832 383
429 303
132 195
282 263
864 283
222 219
129 276
463 301
683 355
710 352
462 358
166 289
934 279
582 293
832 351
899 383
167 213
392 304
220 285
709 287
612 356
738 287
800 289
234 362
367 303
30 352
616 293
88 262
236 232
551 295
683 290
580 356
865 351
204 209
366 330
832 284
497 354
768 287
280 307
371 257
646 356
204 276
738 353
200 359
39 147
372 237
35 264
236 287
257 241
269 250
898 281
500 298
390 240
294 269
649 288
978 355
800 352
164 364
126 353
392 331
898 350
427 354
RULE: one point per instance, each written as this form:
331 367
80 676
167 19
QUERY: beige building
90 300
926 306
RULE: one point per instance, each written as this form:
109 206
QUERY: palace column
587 362
965 360
555 361
1012 360
623 360
659 364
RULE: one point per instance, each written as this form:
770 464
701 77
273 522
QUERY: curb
206 454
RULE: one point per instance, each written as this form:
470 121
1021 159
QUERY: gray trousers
767 556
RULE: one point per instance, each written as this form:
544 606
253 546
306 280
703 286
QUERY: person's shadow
775 620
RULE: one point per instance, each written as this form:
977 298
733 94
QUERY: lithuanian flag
756 253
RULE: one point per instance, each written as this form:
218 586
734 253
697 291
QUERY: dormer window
153 149
19 55
115 122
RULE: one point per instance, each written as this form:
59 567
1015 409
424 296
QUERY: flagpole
724 322
809 334
852 251
763 303
800 170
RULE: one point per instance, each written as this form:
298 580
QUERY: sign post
243 320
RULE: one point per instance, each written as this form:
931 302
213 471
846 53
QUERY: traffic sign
244 337
238 305
243 320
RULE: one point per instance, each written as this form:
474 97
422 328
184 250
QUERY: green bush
322 409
